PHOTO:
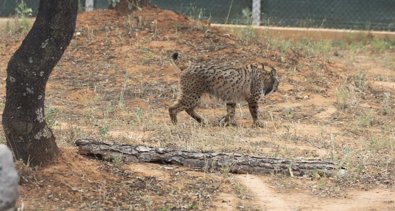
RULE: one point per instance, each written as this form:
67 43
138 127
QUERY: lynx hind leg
187 103
174 110
229 118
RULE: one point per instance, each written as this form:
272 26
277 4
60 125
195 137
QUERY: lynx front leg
229 118
253 107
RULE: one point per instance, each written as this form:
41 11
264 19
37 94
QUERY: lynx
230 84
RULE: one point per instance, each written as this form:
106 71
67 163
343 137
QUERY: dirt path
226 201
268 199
362 200
265 197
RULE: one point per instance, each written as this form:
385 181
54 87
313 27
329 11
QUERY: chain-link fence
342 14
7 7
219 11
347 14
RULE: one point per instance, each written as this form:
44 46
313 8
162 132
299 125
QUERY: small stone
125 206
342 173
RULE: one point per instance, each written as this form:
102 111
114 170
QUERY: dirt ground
115 82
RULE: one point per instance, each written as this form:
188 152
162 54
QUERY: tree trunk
28 70
208 161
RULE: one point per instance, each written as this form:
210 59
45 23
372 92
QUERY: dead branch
206 161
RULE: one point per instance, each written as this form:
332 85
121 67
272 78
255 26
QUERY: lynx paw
258 124
226 122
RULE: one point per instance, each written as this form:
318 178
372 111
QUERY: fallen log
207 161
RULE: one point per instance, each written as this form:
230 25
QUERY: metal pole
256 12
89 5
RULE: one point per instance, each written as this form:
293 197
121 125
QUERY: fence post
89 5
256 12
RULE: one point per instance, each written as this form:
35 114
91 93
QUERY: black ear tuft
174 56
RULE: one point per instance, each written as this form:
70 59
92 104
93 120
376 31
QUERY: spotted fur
230 84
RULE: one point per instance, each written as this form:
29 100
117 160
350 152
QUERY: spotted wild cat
230 84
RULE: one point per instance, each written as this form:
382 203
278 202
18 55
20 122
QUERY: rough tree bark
28 70
208 161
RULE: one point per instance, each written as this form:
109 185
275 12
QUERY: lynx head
269 78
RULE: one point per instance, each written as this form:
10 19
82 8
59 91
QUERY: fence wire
345 14
341 14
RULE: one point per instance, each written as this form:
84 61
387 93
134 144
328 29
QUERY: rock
382 86
9 180
342 173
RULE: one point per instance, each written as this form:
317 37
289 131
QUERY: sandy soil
115 82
